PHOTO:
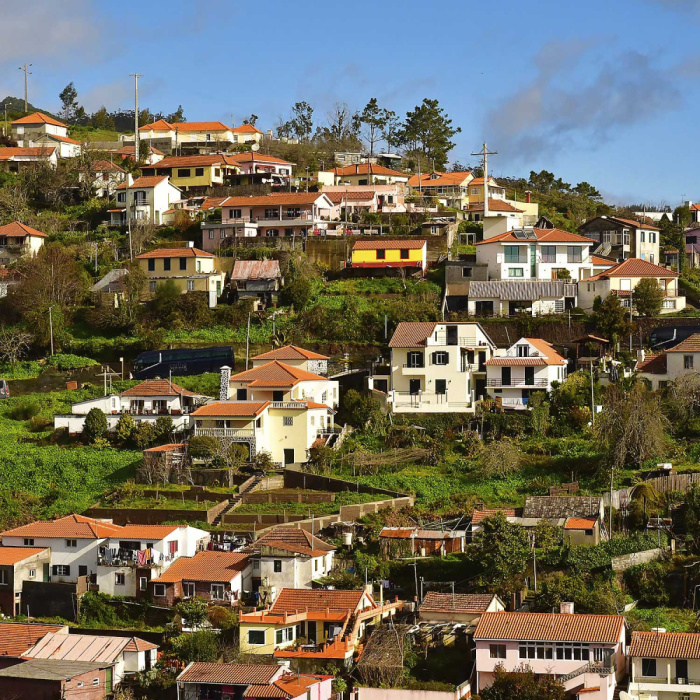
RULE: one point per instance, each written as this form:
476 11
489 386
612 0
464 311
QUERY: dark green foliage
296 293
591 595
611 319
583 559
201 645
648 297
523 684
95 425
202 446
193 612
649 583
362 408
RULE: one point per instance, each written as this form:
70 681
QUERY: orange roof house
296 357
38 118
390 254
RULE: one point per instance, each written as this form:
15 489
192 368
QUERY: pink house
585 652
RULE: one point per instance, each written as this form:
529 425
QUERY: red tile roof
653 364
598 261
290 352
255 157
229 674
550 627
276 373
291 600
100 165
690 344
243 409
157 387
412 334
516 362
479 515
175 253
9 556
495 205
62 139
580 523
438 179
665 645
636 224
279 199
294 540
144 182
389 245
138 644
633 267
350 196
77 526
162 125
18 637
368 168
38 118
170 447
246 129
34 151
544 235
191 161
459 602
220 567
19 230
547 356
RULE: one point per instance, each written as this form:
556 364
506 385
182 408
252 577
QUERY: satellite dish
255 147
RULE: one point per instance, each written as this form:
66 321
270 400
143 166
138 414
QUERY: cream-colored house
661 368
436 367
17 239
246 133
529 365
147 199
365 174
664 665
621 280
450 189
198 136
13 159
286 429
191 269
295 356
624 238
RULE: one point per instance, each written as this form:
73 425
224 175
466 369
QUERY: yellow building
191 269
390 254
187 172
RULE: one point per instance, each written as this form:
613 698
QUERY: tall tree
648 297
177 116
428 131
374 120
341 126
102 119
69 101
611 319
252 119
301 124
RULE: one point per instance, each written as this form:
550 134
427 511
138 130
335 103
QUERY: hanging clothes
141 557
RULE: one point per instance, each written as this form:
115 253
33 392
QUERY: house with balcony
257 279
436 367
146 199
621 280
192 137
119 559
272 215
450 189
664 665
194 172
621 239
295 356
277 381
190 269
286 429
12 159
288 557
390 255
17 565
106 176
529 365
18 239
255 168
145 402
586 653
227 681
220 578
312 625
39 130
537 254
386 199
367 174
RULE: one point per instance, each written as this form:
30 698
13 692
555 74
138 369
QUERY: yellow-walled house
284 429
390 254
202 171
17 239
191 269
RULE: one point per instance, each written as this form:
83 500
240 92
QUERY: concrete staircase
247 486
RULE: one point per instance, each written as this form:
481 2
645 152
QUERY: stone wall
627 561
155 516
297 479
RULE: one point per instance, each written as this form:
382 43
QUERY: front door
441 386
682 669
505 376
414 386
288 456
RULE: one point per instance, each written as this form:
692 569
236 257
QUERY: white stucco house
39 130
529 365
145 199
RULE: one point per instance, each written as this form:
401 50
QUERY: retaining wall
155 516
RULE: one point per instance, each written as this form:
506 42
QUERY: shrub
65 361
203 447
24 410
95 425
201 645
499 459
648 583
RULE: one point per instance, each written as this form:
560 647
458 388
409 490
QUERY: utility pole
485 153
51 327
592 396
27 72
136 77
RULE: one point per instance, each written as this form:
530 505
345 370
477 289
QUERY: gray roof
110 282
552 507
525 290
50 669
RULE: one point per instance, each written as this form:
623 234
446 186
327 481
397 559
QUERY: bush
201 645
25 410
203 447
95 425
648 583
64 362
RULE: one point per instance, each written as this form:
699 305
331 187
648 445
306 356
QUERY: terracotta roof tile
278 199
319 600
100 165
495 205
62 139
230 674
350 196
246 129
437 179
580 523
19 230
479 515
544 235
158 387
255 157
290 352
38 118
550 627
690 344
637 224
388 245
138 644
170 447
189 161
653 364
162 125
33 151
634 267
219 567
77 526
665 645
459 602
147 181
597 260
516 362
13 555
368 169
175 253
292 539
276 373
18 637
412 334
243 409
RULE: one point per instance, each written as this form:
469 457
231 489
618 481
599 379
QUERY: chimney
566 608
641 355
224 383
190 244
528 196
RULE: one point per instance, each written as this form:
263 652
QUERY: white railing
225 432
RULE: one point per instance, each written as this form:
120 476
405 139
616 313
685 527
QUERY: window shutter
433 361
54 571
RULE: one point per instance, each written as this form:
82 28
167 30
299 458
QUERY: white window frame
217 588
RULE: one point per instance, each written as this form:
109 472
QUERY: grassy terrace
346 498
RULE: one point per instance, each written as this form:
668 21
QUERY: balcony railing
240 433
516 382
674 680
301 216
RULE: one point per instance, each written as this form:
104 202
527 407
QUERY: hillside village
288 415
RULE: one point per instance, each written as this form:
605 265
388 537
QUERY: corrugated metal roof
525 290
78 647
256 270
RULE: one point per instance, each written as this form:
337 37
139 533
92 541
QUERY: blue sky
605 91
